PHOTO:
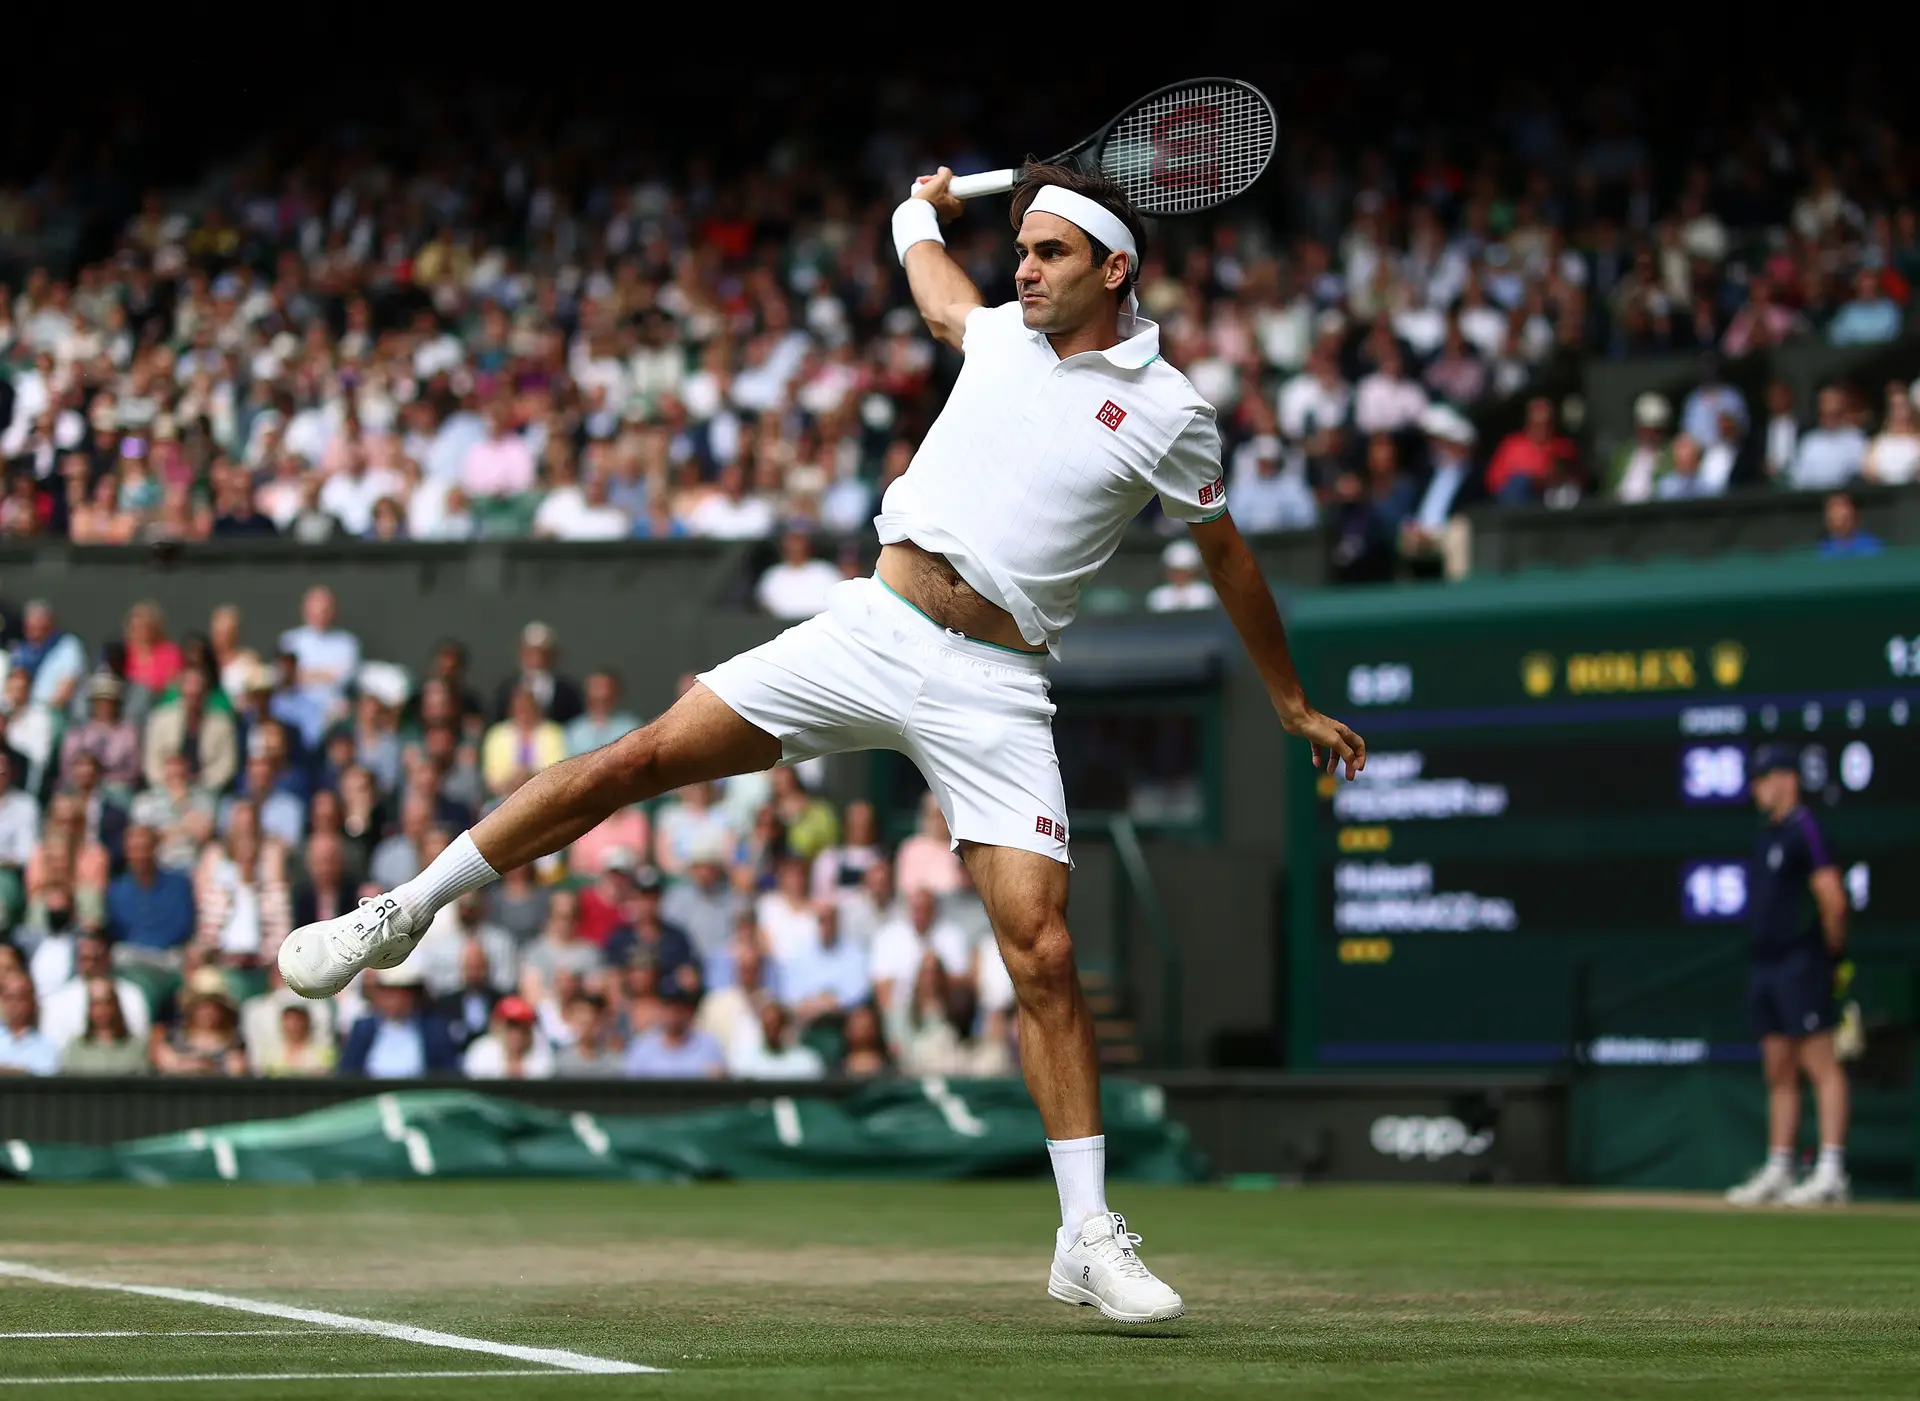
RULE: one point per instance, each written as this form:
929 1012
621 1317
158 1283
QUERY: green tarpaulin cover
895 1129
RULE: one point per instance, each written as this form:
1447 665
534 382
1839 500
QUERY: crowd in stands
511 330
170 810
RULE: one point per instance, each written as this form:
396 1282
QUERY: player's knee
1041 959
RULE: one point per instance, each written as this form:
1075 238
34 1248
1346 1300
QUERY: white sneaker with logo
1766 1186
317 960
1820 1189
1100 1266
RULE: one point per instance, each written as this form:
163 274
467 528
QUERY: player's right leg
1774 1179
1828 1183
700 739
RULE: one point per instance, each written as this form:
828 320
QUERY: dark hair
1096 187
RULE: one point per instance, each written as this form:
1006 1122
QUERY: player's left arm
1830 898
1249 603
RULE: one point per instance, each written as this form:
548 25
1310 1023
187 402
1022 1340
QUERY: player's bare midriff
934 586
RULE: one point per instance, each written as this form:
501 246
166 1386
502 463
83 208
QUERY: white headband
1092 219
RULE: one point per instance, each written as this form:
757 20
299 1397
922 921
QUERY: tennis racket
1182 149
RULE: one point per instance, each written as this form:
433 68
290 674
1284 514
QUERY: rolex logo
1729 663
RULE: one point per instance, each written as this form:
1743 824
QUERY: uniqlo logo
1112 415
1213 491
1047 827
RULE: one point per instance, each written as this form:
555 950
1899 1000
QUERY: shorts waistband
990 652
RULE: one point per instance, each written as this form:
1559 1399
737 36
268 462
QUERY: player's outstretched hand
1331 742
933 189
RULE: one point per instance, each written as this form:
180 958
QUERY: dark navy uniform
1792 987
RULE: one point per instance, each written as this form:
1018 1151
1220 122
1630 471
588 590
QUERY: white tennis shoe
317 960
1100 1266
1765 1187
1830 1188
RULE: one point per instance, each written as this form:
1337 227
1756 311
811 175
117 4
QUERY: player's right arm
1830 898
942 292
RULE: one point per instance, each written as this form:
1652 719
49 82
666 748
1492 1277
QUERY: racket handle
987 182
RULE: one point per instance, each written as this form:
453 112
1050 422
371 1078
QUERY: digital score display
1556 809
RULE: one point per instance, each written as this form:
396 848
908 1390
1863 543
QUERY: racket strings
1191 148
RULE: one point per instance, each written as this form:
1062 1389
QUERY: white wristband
915 222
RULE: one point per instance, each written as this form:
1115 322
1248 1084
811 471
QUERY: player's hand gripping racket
1185 148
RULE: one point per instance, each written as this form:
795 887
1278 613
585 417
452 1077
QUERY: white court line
186 1333
346 1323
281 1377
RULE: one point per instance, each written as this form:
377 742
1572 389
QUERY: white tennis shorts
874 672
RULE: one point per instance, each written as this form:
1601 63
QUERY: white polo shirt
1030 475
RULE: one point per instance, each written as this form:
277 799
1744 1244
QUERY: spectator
152 661
500 465
181 815
809 821
1387 401
603 721
865 1054
557 697
646 935
1782 436
513 1050
149 909
327 890
19 831
401 857
468 1008
1450 441
102 816
775 1054
1893 457
282 815
1526 461
398 1039
23 1049
351 494
299 1051
32 733
590 1052
1685 481
518 905
572 511
375 732
828 978
842 867
326 659
704 905
53 658
1268 488
1831 453
731 511
628 830
926 1035
1369 514
560 949
241 892
1711 399
520 746
1316 399
461 702
691 823
1870 318
107 1043
731 1011
796 587
787 917
1183 589
63 1003
106 735
676 1049
926 859
900 946
206 1039
191 726
1637 467
1844 536
1762 324
864 910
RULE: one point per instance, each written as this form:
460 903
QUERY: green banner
933 1129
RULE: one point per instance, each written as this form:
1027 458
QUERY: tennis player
1799 906
1063 423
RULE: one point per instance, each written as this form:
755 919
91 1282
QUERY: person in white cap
1184 588
1064 423
1649 457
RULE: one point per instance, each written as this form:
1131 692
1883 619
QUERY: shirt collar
1139 348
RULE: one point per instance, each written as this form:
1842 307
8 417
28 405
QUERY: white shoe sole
1067 1292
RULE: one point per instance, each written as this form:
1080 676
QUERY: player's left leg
1095 1260
1828 1183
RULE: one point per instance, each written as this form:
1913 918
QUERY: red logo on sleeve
1215 490
1112 415
1047 827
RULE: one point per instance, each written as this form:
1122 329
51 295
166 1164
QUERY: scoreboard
1551 839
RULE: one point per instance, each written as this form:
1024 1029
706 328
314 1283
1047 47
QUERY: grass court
535 1291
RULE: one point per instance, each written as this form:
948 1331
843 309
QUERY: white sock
454 872
1833 1159
1080 1172
1780 1159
